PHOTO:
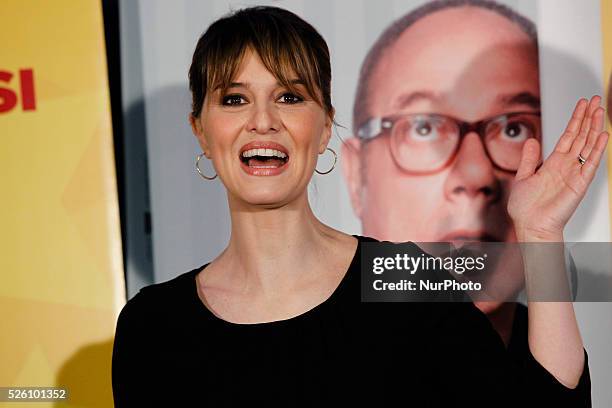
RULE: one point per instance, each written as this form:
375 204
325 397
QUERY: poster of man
447 96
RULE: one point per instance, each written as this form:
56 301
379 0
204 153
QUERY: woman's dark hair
287 45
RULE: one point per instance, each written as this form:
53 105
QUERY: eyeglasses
425 143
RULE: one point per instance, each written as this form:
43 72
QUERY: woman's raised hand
544 198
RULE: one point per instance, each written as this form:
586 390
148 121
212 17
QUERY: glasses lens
423 143
506 135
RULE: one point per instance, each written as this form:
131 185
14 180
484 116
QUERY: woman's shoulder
161 297
439 312
364 238
368 239
181 282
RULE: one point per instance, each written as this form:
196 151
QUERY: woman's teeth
264 158
264 153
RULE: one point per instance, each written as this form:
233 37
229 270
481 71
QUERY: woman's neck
271 249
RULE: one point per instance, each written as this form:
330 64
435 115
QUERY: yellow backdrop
62 279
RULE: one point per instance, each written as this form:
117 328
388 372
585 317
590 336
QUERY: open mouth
264 158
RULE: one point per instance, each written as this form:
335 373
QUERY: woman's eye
233 100
290 98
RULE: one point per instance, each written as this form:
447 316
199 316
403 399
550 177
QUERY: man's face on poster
428 182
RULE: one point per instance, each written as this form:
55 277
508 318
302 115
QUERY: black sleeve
471 363
131 362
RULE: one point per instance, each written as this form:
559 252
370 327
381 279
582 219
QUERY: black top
169 348
518 346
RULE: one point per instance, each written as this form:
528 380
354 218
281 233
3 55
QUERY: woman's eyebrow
246 85
296 81
239 85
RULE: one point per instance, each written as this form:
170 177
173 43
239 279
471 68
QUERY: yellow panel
62 284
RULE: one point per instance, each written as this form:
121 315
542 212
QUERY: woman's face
263 139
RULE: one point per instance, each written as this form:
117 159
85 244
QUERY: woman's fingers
586 125
573 126
530 159
596 128
589 168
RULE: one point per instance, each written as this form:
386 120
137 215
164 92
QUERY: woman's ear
196 128
327 133
351 169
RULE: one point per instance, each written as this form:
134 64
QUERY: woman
276 318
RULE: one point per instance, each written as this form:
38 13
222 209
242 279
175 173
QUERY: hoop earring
197 164
333 165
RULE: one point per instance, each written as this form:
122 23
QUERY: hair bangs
291 49
291 63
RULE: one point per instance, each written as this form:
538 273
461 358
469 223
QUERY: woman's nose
264 118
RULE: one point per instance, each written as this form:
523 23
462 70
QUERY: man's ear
351 168
196 128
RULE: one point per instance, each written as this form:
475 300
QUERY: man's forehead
504 100
456 36
450 66
454 23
